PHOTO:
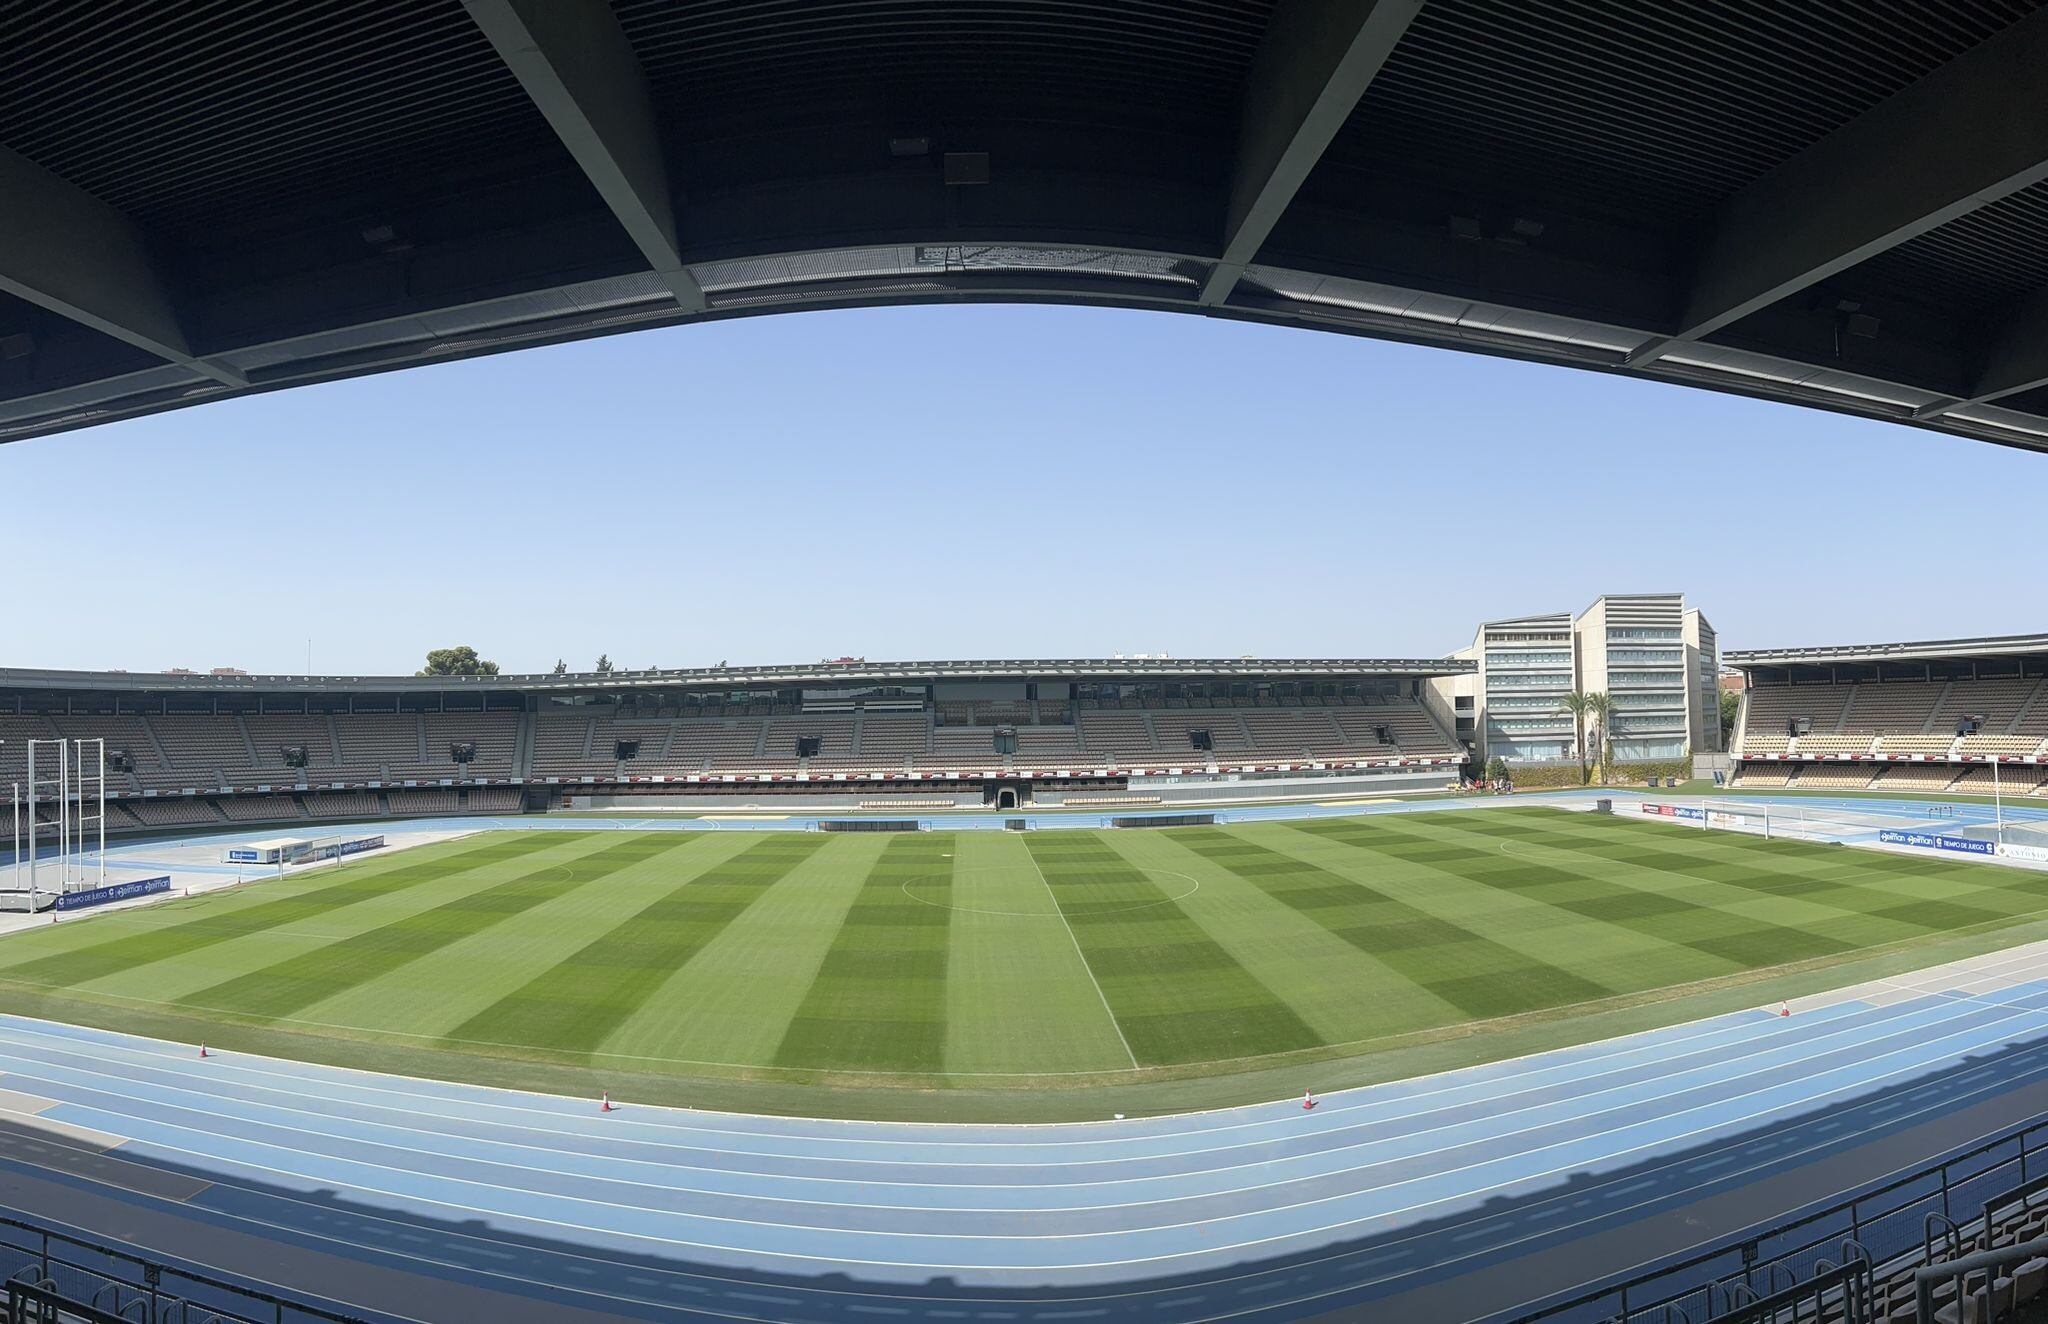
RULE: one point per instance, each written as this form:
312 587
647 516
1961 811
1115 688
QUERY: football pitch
1035 962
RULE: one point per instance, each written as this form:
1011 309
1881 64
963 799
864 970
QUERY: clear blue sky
983 482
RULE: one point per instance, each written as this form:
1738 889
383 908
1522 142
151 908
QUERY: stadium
1586 973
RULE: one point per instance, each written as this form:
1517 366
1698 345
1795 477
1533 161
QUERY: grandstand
1957 716
200 750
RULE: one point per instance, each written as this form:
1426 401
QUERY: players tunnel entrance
1006 795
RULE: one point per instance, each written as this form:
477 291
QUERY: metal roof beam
576 65
65 250
1315 62
2014 360
1973 131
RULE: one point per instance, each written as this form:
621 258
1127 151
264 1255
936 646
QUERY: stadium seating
888 740
372 741
260 808
1907 717
2011 779
1912 744
1898 706
1914 777
1837 776
358 764
568 746
271 734
174 811
1037 746
1997 702
344 804
198 748
706 745
1226 732
438 800
1771 707
493 734
1836 744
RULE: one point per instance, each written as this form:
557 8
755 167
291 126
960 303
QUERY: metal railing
1879 1224
55 1275
1957 1272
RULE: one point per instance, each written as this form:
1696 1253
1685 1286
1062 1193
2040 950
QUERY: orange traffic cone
1784 1009
203 1052
605 1102
1308 1100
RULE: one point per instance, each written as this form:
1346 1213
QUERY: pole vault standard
79 790
60 785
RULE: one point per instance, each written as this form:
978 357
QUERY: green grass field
1053 970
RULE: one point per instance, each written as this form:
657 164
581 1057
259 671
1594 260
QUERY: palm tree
1600 705
1575 704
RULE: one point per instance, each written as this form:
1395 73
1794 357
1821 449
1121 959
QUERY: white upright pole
99 790
63 816
14 804
31 827
1997 800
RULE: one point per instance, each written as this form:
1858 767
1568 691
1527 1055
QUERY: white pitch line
1082 957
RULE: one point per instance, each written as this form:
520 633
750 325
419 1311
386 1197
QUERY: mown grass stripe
296 982
209 927
1744 942
1176 993
572 1006
1470 971
1810 874
878 998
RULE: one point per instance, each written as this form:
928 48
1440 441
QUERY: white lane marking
1721 1122
1775 1162
1279 1127
1804 1047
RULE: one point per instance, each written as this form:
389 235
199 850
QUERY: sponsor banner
100 896
330 850
1691 813
1722 818
1937 841
243 855
2032 854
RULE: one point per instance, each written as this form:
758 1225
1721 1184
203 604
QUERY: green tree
1496 769
1731 708
604 664
458 661
1575 704
1600 707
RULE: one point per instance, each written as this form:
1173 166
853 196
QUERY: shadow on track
338 1247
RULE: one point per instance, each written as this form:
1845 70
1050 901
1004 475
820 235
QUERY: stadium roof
812 674
1844 206
1931 650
